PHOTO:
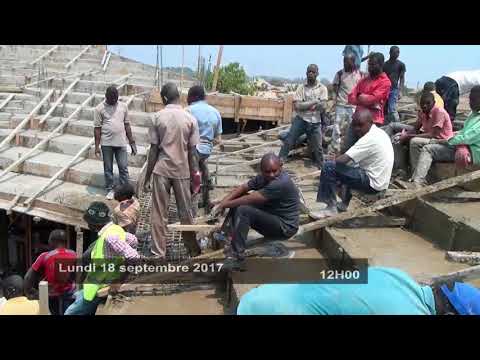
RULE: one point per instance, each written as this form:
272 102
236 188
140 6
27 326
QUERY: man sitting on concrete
17 303
272 209
112 129
309 102
389 291
112 243
463 148
60 285
433 124
373 153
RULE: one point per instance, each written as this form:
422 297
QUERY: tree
231 77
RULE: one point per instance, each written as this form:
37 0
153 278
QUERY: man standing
370 94
463 148
433 124
210 129
272 209
309 103
343 83
112 129
389 291
395 70
113 243
373 153
448 89
17 303
173 160
60 285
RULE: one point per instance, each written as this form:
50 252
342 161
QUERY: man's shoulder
122 105
100 106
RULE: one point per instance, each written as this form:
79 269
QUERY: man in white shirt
373 153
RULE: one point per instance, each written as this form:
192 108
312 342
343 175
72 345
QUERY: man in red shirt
370 94
60 285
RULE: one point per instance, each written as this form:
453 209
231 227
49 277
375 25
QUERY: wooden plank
464 257
121 79
287 109
43 298
6 101
461 275
54 133
46 53
221 156
372 222
464 196
77 56
107 61
194 227
14 202
59 173
253 134
387 202
217 68
22 124
59 100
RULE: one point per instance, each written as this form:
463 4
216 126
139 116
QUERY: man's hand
134 149
147 186
196 182
218 210
98 152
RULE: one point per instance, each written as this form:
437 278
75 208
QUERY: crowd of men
367 138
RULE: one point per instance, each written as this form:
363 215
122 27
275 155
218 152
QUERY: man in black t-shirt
272 208
395 70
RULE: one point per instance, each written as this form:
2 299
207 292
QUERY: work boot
329 211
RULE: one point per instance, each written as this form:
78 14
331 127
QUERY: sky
423 62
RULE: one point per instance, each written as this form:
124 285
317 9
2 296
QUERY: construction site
49 175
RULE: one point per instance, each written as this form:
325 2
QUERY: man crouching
272 209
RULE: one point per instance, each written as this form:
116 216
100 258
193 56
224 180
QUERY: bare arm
402 82
193 160
304 105
98 136
254 198
32 278
235 193
128 131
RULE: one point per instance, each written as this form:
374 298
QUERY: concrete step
46 164
69 144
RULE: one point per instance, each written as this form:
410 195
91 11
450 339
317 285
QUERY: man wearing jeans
343 83
433 123
112 129
395 70
463 148
309 102
272 208
373 153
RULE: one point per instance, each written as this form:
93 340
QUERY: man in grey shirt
112 129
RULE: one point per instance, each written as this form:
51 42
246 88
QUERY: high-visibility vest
94 280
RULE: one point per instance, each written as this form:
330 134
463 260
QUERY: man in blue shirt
210 128
388 291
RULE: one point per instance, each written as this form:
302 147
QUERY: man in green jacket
462 148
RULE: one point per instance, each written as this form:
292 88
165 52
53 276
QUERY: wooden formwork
239 107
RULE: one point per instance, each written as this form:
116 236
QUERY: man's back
20 306
388 292
209 124
47 264
174 131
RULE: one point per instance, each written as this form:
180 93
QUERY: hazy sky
423 62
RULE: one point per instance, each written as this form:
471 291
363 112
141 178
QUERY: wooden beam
77 56
221 156
39 81
217 68
14 202
407 195
54 133
462 196
43 298
59 100
121 79
46 53
6 101
464 257
253 134
22 124
372 222
461 275
193 227
59 173
107 61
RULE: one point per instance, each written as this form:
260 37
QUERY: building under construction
49 175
